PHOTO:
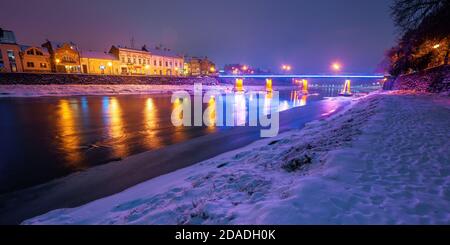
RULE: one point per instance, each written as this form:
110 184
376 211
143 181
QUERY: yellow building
166 63
156 62
64 57
132 61
35 59
100 63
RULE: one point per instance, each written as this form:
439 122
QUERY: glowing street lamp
244 68
336 66
286 68
436 46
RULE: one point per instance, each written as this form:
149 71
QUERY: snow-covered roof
98 55
25 47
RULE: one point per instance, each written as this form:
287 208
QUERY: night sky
308 34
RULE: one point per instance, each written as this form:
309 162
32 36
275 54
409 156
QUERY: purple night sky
308 34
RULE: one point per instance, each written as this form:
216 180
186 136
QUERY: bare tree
409 14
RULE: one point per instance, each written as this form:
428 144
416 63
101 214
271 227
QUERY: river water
44 138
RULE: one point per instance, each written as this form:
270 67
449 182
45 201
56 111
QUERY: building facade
64 57
200 67
132 61
100 63
166 63
35 59
156 62
10 60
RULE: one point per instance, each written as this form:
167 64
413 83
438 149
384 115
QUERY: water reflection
210 114
151 124
68 136
115 125
240 108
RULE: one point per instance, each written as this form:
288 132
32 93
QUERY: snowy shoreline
382 160
123 89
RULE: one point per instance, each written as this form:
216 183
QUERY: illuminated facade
35 59
200 66
64 57
10 60
132 61
100 63
156 62
166 63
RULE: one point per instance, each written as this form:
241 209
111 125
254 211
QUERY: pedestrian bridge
376 76
299 80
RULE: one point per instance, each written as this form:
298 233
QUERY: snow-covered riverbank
383 160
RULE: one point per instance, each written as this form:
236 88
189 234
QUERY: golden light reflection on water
67 132
298 99
151 125
115 125
211 114
179 131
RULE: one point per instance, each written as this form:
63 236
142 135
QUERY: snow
70 90
382 160
16 90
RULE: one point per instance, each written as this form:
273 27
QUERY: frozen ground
65 90
384 160
70 90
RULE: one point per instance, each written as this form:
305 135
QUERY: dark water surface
48 137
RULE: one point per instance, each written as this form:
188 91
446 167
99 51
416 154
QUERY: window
171 64
39 53
139 61
129 60
1 60
160 63
167 64
154 63
134 60
123 59
43 65
30 64
30 52
176 64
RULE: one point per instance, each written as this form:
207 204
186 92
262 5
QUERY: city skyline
261 35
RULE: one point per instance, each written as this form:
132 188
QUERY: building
100 63
132 61
10 60
35 59
164 62
158 62
64 57
195 66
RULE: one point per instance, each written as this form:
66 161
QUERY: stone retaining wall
436 80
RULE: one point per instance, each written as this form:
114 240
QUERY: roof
131 49
98 55
163 52
58 44
25 47
7 37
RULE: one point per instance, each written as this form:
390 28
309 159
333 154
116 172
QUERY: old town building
10 60
100 63
132 61
64 57
35 59
166 63
195 66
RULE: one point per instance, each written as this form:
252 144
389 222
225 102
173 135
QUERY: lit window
43 65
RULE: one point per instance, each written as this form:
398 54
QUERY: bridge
303 83
300 76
